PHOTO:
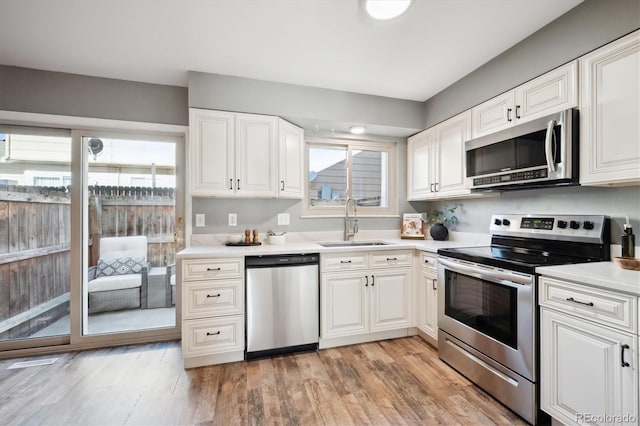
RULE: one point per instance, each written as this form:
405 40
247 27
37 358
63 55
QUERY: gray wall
474 214
305 106
588 26
46 92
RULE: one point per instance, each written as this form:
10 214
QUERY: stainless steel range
487 302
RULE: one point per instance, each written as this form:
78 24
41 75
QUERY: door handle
509 115
549 140
433 284
373 280
231 184
213 295
282 182
238 186
518 111
366 282
213 269
213 334
571 299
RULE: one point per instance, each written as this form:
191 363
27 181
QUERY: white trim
81 123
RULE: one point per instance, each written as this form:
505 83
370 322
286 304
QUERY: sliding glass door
130 209
35 236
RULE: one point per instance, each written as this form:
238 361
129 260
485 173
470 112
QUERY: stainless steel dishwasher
283 304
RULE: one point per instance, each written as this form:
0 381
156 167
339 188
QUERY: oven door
491 310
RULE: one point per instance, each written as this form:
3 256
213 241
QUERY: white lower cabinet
589 368
427 288
212 303
364 300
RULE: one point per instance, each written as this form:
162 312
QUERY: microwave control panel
511 177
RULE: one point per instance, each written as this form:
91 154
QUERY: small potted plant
440 220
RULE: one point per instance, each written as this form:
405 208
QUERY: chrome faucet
350 223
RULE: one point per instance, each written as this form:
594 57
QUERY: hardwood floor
396 382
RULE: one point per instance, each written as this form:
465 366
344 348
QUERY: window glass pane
369 178
327 176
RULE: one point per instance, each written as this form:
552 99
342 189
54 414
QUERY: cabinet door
450 137
211 152
391 300
419 168
428 299
493 115
345 304
609 111
255 155
582 372
290 166
552 92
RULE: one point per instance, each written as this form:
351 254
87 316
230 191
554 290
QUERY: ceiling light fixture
357 130
384 10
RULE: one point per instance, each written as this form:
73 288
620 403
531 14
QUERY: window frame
389 148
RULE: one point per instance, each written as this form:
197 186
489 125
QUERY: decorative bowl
276 239
235 238
631 263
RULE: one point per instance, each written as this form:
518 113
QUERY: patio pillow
120 266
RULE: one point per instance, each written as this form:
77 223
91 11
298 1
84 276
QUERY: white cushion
172 280
117 247
115 282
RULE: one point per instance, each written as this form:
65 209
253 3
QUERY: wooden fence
35 230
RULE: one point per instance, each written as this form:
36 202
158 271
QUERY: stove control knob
587 224
506 222
497 222
562 224
574 225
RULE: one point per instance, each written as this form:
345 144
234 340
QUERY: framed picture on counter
413 226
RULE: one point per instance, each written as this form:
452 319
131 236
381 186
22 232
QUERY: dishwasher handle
282 260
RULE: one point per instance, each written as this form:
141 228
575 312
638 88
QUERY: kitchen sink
354 243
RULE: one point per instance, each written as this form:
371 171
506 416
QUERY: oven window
485 306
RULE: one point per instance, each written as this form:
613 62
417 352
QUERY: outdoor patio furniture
170 279
119 280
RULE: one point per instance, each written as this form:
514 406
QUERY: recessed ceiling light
384 10
357 130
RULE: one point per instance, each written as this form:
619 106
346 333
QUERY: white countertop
213 246
606 275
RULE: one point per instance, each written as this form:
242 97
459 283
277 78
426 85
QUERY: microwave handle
548 145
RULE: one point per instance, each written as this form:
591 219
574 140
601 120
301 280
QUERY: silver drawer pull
391 258
345 261
213 295
213 269
571 299
213 334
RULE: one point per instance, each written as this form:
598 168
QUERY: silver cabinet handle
431 188
518 111
509 115
282 182
435 185
434 286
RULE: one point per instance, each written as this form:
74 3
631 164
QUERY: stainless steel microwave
542 152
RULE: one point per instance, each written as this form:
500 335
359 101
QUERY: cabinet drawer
212 298
601 306
198 269
212 336
385 259
429 262
347 261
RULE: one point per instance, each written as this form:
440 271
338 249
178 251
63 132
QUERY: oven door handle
510 279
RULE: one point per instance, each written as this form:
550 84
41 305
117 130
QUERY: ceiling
321 43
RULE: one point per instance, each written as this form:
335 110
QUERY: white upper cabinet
436 162
291 155
451 136
420 177
610 113
552 92
244 155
